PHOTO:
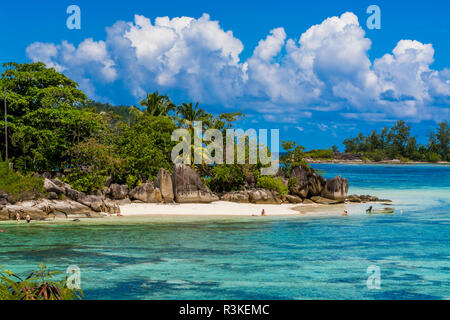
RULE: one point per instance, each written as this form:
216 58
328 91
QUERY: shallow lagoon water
295 257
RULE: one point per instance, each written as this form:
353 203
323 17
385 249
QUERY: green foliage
439 142
144 148
20 187
188 113
293 156
127 114
376 155
319 154
226 177
133 181
292 183
157 105
39 285
272 183
91 163
433 157
45 116
396 142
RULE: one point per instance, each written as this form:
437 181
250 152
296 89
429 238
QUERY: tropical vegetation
396 142
54 127
38 285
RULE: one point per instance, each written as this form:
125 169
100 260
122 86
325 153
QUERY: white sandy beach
225 208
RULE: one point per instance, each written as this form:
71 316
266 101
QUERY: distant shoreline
335 161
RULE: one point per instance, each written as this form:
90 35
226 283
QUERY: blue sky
310 68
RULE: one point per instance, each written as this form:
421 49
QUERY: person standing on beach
18 217
28 218
263 213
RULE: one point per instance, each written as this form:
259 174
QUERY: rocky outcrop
146 193
282 175
96 203
353 198
292 199
164 184
118 192
256 195
73 194
50 186
309 183
236 196
3 199
264 196
369 198
322 200
188 186
335 189
47 210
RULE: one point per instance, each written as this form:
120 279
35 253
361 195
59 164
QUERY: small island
73 158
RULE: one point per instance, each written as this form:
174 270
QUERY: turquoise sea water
292 257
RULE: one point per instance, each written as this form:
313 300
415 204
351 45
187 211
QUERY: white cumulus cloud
326 68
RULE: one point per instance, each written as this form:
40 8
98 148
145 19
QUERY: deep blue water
292 257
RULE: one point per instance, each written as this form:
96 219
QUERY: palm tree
157 105
190 113
198 151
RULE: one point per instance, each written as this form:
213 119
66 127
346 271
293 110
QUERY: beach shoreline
338 161
225 208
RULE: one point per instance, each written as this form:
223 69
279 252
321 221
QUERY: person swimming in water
28 218
345 213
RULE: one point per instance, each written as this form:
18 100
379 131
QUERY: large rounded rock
93 202
264 196
293 199
353 198
236 196
3 199
146 193
50 186
164 184
335 189
73 194
282 175
308 183
322 200
118 192
188 187
25 208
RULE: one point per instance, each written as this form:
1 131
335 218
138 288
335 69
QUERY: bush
86 181
226 178
433 157
272 183
292 183
376 155
20 187
91 163
320 154
37 286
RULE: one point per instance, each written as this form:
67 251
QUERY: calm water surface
260 258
